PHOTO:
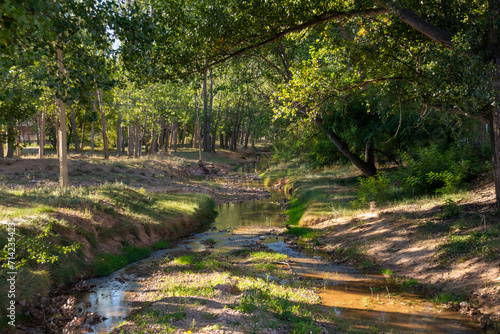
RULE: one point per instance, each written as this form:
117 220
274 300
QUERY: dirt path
416 242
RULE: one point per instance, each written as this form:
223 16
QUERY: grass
163 244
56 225
461 246
106 263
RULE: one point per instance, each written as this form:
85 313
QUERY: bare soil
160 173
408 241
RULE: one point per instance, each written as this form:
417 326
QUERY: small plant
450 209
186 259
387 272
446 297
375 188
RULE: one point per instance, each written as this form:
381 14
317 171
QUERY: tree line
362 81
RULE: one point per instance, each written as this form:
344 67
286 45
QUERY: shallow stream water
345 292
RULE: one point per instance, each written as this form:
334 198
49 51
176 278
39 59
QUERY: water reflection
262 212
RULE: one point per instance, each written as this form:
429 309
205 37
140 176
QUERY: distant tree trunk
153 145
74 129
103 125
20 132
210 112
137 139
234 134
175 134
18 141
253 140
92 138
247 135
119 136
198 128
28 133
206 121
221 140
242 132
62 131
161 141
226 145
130 141
82 145
41 138
11 138
185 126
2 138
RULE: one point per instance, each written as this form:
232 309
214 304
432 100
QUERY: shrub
433 170
375 188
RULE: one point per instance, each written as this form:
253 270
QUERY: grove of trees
359 81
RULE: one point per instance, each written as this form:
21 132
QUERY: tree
446 34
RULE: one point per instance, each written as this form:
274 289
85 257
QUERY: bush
375 188
434 171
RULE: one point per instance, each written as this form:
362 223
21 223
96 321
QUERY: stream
346 292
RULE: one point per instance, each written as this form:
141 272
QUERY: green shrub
375 188
434 170
450 209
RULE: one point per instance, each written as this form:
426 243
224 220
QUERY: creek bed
345 292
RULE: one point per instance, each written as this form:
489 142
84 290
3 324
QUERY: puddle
345 292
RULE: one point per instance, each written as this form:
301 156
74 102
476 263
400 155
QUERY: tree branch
436 34
314 21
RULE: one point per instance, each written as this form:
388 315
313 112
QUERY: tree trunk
11 138
161 142
18 141
28 133
92 138
119 136
210 112
493 45
364 167
153 144
2 139
130 141
74 129
234 133
247 135
198 128
175 135
370 154
82 145
41 131
137 140
103 125
62 132
242 134
206 121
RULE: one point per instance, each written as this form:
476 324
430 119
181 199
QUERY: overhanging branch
436 34
314 21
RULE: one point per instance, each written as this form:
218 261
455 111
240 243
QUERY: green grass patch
163 244
267 257
186 259
446 297
106 263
